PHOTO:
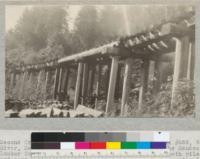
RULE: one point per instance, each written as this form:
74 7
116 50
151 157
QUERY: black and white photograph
99 61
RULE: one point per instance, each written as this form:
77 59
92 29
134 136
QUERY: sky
14 12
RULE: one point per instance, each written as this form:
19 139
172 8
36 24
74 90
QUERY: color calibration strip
101 141
99 145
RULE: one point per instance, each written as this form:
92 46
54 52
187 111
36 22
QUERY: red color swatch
98 145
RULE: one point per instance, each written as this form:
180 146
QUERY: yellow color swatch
113 145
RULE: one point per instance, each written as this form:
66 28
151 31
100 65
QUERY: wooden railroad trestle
169 42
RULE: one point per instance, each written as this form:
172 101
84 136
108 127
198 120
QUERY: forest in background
43 33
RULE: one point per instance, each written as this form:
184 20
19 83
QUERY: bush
161 105
184 99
